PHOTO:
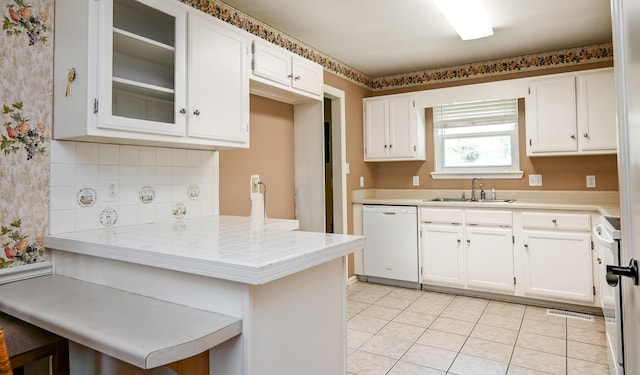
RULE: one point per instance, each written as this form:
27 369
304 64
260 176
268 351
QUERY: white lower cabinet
442 256
489 258
467 249
556 256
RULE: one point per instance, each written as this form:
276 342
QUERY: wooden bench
139 330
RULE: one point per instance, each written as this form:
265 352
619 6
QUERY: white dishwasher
391 250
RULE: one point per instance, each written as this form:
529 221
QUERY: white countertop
139 330
603 202
225 247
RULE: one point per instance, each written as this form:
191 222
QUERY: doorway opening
335 166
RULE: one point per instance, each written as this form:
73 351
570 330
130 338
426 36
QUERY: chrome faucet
473 191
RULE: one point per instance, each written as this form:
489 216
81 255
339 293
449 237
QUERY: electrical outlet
255 178
591 181
361 181
111 191
535 180
416 180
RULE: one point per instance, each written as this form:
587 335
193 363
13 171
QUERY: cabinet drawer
489 217
441 215
551 220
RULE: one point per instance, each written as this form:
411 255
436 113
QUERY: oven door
609 254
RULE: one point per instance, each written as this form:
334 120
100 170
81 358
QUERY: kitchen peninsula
287 286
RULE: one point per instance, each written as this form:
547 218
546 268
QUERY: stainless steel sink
469 200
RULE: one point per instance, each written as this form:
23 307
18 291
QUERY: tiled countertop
225 247
604 202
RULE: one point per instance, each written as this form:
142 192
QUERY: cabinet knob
183 111
459 240
297 78
554 221
526 246
290 76
586 135
599 260
573 136
196 112
390 146
468 241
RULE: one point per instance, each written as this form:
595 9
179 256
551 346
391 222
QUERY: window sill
464 175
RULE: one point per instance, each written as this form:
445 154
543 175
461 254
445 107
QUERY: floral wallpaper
26 50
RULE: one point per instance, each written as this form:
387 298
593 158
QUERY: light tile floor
398 331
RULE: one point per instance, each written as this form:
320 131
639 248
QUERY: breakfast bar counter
286 286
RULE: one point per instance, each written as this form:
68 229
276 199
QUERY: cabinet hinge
529 90
253 65
591 245
514 280
95 105
420 233
414 104
594 290
530 142
513 239
421 270
415 148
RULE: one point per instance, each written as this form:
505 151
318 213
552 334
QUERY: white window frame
497 172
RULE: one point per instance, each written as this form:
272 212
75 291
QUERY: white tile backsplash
77 165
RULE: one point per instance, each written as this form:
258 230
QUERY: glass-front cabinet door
142 77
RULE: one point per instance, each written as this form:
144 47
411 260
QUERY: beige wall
270 155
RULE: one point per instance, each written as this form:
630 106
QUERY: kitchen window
477 138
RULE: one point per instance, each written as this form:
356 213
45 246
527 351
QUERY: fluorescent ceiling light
468 17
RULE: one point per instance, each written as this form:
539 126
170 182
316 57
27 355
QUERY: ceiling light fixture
467 17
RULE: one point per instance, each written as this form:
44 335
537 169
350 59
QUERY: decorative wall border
524 63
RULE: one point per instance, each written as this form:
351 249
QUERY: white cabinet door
597 111
272 63
551 115
558 265
307 75
376 122
442 255
402 127
218 82
141 67
489 259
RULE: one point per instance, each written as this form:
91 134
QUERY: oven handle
599 232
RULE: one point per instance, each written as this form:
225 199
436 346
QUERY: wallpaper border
525 63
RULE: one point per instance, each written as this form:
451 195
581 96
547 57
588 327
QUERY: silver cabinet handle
573 136
290 76
459 240
183 111
586 135
554 221
196 112
297 78
526 246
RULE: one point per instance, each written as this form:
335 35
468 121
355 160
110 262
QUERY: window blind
481 112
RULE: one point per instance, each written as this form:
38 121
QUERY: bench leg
60 359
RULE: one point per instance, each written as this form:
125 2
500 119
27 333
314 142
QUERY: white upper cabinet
394 129
597 111
571 114
283 75
149 72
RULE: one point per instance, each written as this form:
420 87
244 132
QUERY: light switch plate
361 181
416 180
591 181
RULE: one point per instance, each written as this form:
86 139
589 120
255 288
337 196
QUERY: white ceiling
385 37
